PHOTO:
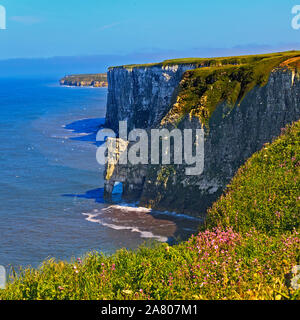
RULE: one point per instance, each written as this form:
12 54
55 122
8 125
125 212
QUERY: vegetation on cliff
223 80
266 188
247 251
211 62
85 80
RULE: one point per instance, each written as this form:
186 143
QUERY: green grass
266 188
250 244
210 62
202 90
217 264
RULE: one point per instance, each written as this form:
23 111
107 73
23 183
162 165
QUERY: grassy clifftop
225 80
250 244
212 62
213 81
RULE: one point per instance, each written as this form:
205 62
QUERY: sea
51 186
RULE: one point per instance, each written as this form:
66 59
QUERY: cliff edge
240 102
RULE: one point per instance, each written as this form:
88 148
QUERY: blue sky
38 28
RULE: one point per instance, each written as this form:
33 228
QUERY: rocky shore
98 80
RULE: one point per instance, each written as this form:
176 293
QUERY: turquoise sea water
51 202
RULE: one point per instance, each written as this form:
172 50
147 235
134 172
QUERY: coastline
98 80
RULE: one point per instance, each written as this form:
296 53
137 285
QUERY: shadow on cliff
90 127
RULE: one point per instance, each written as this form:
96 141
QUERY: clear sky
47 28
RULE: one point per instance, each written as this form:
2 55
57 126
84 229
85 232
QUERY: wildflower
277 214
61 288
113 267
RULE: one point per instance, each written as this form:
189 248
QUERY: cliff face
142 96
233 132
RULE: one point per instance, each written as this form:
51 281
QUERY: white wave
81 133
134 207
144 234
70 136
127 209
55 136
178 215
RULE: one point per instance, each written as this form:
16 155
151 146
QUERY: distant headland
97 80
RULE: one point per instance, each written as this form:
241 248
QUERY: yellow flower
197 297
128 292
